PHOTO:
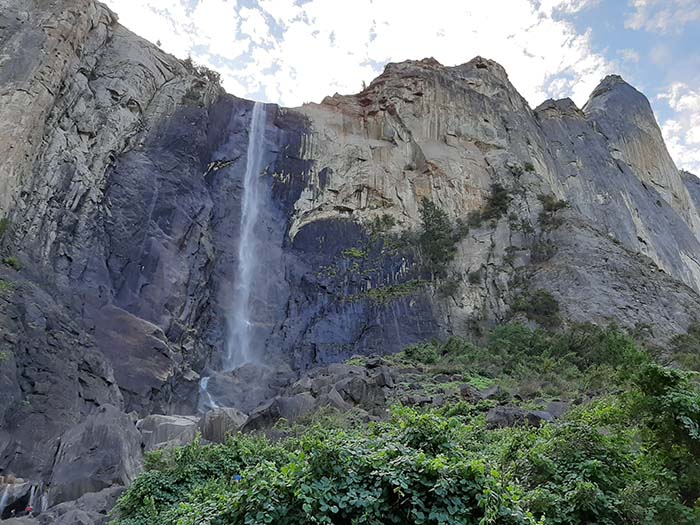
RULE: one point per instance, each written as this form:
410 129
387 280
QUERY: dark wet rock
418 400
282 407
102 451
362 392
247 387
557 408
495 392
383 377
508 416
470 394
90 509
216 424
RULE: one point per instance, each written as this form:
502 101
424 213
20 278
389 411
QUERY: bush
380 225
12 262
629 457
539 306
4 226
497 203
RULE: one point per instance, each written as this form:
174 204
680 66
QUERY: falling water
4 499
206 402
238 345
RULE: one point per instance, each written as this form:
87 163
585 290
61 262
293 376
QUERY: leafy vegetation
539 306
388 293
437 240
4 226
551 205
12 262
583 360
630 456
497 203
381 224
6 287
355 253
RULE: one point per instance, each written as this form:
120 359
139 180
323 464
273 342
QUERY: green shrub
12 262
529 166
631 456
355 253
4 226
539 306
496 203
381 224
475 277
6 287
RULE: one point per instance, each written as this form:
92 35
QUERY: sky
295 51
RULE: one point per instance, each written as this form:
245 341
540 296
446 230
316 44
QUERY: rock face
120 206
102 451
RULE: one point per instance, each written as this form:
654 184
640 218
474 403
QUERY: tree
436 240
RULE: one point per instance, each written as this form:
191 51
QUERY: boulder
383 377
359 391
103 450
216 424
509 416
290 408
159 431
89 509
496 393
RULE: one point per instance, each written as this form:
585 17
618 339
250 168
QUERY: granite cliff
120 201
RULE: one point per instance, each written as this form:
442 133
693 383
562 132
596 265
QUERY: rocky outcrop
215 425
120 205
159 431
102 451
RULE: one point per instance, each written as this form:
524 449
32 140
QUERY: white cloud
284 52
662 16
682 133
630 55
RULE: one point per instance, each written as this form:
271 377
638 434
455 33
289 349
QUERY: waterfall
206 402
238 344
4 499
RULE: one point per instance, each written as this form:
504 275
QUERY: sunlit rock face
122 179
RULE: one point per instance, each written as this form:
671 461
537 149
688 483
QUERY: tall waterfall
238 344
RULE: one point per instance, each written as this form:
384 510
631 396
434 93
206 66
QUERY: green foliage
668 403
4 226
475 277
539 306
381 224
686 348
583 359
529 166
6 287
437 240
551 205
386 294
629 457
496 204
5 355
201 70
355 253
12 262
